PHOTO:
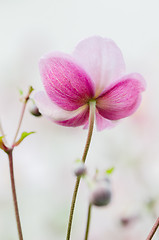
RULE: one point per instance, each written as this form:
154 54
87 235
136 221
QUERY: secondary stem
22 114
153 230
88 141
9 152
20 122
2 133
10 156
88 221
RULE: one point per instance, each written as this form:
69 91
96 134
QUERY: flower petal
101 59
80 119
122 98
66 83
58 115
102 123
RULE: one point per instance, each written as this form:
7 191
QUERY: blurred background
43 163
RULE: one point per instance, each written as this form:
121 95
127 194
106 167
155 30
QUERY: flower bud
127 220
80 170
35 111
101 193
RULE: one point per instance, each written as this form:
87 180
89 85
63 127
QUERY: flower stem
88 221
10 156
153 230
9 152
2 133
90 130
22 114
72 207
88 141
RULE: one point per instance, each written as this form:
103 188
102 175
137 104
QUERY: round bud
101 194
35 111
80 170
127 220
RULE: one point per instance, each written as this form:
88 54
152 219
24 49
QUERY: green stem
88 221
10 156
88 141
90 130
153 230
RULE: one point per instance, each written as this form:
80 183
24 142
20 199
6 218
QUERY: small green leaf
150 204
97 171
109 171
1 142
78 161
2 145
23 135
21 92
1 137
31 89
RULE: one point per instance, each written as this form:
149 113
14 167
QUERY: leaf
97 171
31 89
20 92
1 142
23 135
109 171
78 161
2 145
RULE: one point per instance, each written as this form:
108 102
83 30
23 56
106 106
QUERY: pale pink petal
58 115
86 125
102 123
101 59
80 119
65 82
122 98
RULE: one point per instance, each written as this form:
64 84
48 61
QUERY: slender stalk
20 122
2 132
10 156
88 221
22 114
153 230
9 152
90 130
88 141
72 207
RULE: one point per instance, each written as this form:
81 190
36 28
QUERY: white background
44 161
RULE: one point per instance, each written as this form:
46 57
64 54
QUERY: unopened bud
35 111
101 193
80 170
125 221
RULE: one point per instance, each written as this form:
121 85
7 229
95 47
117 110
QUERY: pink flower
94 71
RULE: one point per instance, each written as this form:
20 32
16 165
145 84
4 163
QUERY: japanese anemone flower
94 72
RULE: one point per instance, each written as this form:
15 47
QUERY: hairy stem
10 156
88 141
153 230
88 221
